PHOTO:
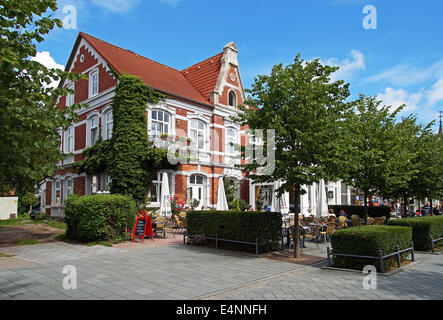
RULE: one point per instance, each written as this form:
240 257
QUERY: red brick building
200 101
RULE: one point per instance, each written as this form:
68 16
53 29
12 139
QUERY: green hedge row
367 241
240 226
360 211
422 230
99 217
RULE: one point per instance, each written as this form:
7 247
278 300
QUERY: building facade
200 101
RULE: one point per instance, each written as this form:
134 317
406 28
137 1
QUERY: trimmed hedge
99 217
366 241
373 212
241 226
422 230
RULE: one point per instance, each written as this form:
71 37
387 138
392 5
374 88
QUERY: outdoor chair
379 220
356 222
330 228
301 242
314 236
161 227
184 223
370 221
178 223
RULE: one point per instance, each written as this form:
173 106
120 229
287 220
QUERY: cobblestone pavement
186 272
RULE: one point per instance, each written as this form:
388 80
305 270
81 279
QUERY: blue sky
401 61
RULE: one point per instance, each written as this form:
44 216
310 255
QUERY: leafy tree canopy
29 115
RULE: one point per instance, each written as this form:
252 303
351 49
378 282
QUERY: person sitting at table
343 214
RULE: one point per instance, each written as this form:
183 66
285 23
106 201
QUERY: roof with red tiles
204 75
154 74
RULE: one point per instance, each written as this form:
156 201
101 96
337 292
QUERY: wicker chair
330 228
379 220
355 221
370 221
314 236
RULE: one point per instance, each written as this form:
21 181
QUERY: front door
197 190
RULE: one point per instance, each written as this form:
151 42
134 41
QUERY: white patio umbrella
222 203
273 195
165 203
322 201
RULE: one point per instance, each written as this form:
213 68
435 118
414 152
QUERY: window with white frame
156 189
70 98
160 123
60 145
93 130
58 192
93 184
69 188
93 83
70 140
109 124
198 133
231 140
232 99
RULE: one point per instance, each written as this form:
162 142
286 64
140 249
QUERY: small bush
373 212
422 230
367 241
240 226
99 217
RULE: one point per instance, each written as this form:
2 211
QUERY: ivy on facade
128 157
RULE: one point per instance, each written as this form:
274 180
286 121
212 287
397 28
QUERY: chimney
230 54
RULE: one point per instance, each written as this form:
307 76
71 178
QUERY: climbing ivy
128 157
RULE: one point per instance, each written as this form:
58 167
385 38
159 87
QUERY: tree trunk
297 254
366 206
405 199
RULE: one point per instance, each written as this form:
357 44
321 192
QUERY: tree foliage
128 157
29 115
377 158
305 109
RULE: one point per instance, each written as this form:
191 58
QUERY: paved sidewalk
187 272
422 281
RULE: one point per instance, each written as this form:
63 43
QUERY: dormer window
232 99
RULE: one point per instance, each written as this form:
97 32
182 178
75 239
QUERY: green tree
29 115
231 186
305 108
427 180
377 159
128 157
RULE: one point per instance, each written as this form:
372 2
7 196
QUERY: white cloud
45 59
396 98
405 75
436 92
348 67
116 5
